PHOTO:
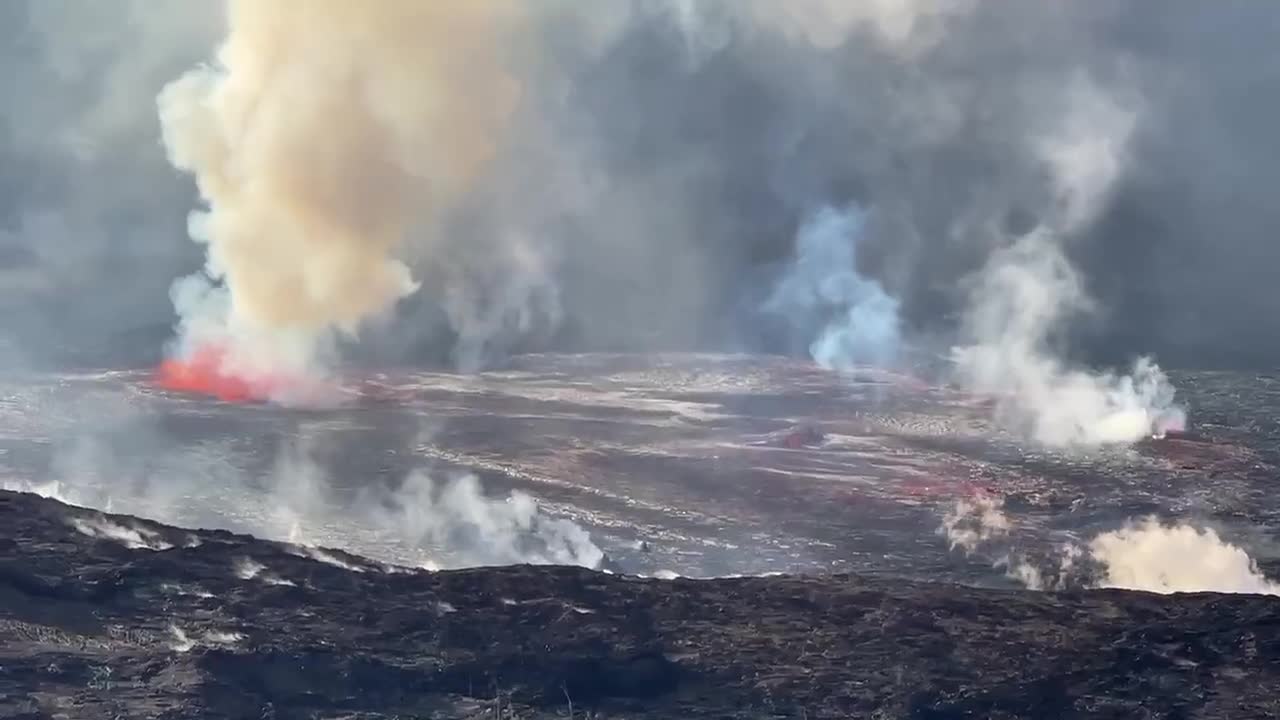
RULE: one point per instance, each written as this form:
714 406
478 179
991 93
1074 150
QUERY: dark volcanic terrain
114 617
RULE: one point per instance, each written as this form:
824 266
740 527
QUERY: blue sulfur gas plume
852 319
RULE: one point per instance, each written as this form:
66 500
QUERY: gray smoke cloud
88 210
650 183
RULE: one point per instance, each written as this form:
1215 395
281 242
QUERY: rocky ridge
109 616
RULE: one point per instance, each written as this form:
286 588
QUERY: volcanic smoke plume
325 132
1026 292
1029 289
858 320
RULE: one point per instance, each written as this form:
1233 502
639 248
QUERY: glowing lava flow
203 374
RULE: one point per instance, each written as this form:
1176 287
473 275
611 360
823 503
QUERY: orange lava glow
202 374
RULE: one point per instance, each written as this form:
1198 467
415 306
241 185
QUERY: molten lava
203 374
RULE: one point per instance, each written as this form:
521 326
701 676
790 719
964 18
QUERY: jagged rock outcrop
108 616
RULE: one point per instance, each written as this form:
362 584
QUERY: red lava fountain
203 374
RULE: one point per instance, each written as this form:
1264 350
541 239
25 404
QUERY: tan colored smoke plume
327 128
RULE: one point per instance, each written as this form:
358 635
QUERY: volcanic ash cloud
323 133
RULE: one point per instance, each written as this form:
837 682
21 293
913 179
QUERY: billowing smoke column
857 321
1024 294
1028 290
326 132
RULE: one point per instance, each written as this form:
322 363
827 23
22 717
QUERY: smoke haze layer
683 141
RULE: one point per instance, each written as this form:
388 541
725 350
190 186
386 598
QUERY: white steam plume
325 132
1150 556
1144 555
1085 149
424 521
1027 291
981 525
473 529
447 523
974 522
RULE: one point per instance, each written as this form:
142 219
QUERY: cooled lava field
755 537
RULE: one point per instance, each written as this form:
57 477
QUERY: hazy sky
663 155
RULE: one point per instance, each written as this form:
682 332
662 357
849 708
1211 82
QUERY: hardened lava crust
108 616
807 503
697 465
